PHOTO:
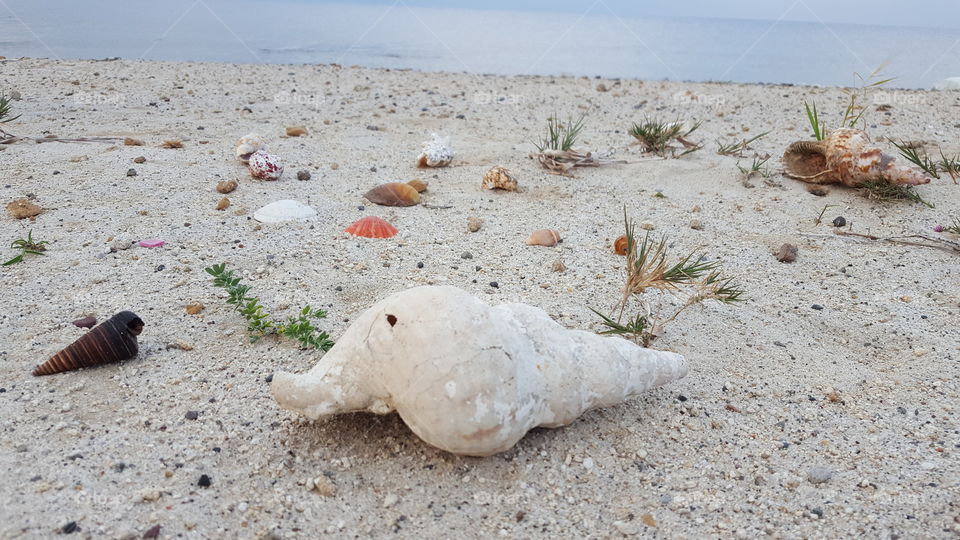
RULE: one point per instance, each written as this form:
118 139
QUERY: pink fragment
151 243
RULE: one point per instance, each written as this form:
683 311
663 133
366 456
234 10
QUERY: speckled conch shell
469 378
499 178
249 144
436 153
846 156
544 237
114 340
394 194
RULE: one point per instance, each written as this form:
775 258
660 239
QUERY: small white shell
265 166
249 144
436 153
284 210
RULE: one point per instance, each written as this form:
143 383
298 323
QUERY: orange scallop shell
620 245
394 194
372 227
113 340
544 237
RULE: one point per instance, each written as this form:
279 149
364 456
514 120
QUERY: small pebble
194 308
696 224
223 203
474 224
131 172
204 481
466 255
269 378
419 265
390 500
303 175
70 528
819 475
226 186
152 532
494 284
839 221
15 95
787 253
139 159
191 415
647 226
86 322
817 307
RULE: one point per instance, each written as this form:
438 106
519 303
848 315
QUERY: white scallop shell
249 144
284 210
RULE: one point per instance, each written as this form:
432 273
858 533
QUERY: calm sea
477 41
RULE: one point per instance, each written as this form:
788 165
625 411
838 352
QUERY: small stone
296 131
191 415
372 127
70 528
227 186
839 221
131 172
194 308
23 208
817 307
152 532
819 475
390 500
86 322
474 224
121 245
179 345
419 265
558 266
223 203
334 166
601 87
494 284
15 95
324 487
303 175
269 378
132 142
648 520
696 225
787 253
466 255
819 191
204 481
647 226
626 528
139 159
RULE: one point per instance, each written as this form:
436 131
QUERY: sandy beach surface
823 406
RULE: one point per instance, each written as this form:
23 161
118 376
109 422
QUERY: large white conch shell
846 156
248 145
469 378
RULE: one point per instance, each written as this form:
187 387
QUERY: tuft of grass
259 323
737 148
649 268
560 136
822 212
757 166
6 109
952 229
819 130
27 246
910 153
885 192
854 111
950 166
655 137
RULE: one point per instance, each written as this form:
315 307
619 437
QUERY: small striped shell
544 237
394 194
114 340
846 156
372 227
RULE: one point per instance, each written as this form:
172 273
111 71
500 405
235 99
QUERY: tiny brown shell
544 237
114 340
499 178
620 245
393 194
418 184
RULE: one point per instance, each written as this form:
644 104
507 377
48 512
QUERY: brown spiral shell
394 194
114 340
620 245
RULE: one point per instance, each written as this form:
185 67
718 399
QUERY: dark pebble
2 390
216 449
494 284
160 267
361 208
191 415
152 532
419 265
373 169
681 397
303 175
779 344
69 528
86 322
466 255
373 128
839 221
817 512
269 378
204 481
817 307
131 172
460 117
787 253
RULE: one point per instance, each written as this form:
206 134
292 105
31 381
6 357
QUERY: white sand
725 452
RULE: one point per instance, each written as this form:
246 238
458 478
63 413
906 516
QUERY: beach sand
795 421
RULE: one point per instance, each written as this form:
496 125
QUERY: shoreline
793 421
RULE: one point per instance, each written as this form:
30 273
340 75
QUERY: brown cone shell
394 194
114 340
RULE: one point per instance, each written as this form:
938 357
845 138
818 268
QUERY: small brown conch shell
418 184
394 194
544 237
499 178
114 340
846 156
620 245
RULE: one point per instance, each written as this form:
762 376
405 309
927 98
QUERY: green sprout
655 137
26 246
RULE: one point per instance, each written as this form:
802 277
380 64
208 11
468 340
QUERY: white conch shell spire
436 152
248 145
470 378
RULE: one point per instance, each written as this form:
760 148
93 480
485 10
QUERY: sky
923 13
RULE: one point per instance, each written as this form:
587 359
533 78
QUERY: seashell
544 237
846 156
296 131
499 178
393 194
418 184
249 144
372 227
265 166
114 340
469 378
284 210
620 245
436 153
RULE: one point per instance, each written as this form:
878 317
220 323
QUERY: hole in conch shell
391 319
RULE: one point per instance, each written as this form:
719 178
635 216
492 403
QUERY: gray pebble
819 475
191 415
131 172
466 255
